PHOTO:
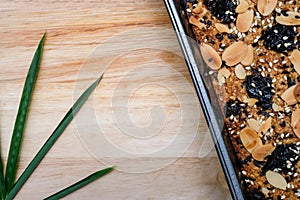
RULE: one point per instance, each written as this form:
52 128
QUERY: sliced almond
222 28
251 101
292 19
261 152
210 56
276 180
295 59
254 124
249 56
235 53
242 7
266 125
200 9
223 74
275 107
297 92
289 97
265 191
266 7
250 139
295 122
195 20
240 72
244 21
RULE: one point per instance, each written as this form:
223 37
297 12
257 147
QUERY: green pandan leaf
80 184
52 139
16 141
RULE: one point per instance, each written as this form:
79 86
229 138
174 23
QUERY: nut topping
275 107
210 56
240 72
244 21
290 19
261 152
297 92
289 97
251 101
295 122
235 53
295 59
266 125
276 180
250 139
200 9
195 20
249 56
266 7
222 28
242 7
223 75
254 124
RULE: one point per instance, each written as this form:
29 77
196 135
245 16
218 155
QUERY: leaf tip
99 79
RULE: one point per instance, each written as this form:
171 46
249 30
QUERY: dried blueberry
191 1
259 87
283 157
219 37
224 10
246 160
280 38
254 195
290 81
235 108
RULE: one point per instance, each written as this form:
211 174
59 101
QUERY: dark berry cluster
254 195
191 1
235 108
259 87
281 156
224 10
280 38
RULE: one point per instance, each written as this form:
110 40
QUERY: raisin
235 108
280 38
191 1
290 82
279 158
224 10
254 195
246 160
259 87
219 37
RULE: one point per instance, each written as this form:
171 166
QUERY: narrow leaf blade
16 141
2 181
52 139
80 184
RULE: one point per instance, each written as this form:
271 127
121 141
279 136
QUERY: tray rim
215 130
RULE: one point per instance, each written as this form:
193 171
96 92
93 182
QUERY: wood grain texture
141 81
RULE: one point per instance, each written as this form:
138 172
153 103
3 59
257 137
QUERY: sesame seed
270 64
285 37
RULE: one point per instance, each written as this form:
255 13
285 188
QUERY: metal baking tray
208 99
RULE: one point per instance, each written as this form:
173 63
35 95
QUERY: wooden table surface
144 117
